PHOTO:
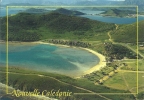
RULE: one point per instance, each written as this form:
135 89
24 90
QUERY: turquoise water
49 58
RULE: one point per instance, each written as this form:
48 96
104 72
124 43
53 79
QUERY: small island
34 10
119 13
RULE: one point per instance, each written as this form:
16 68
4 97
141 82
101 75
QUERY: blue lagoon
48 58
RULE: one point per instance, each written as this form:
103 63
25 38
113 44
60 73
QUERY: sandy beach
101 64
39 42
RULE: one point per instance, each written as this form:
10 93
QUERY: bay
11 11
49 58
92 15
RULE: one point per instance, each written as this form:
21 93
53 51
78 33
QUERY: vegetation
140 95
119 13
28 80
34 10
33 27
97 76
95 97
132 65
17 73
68 12
128 33
126 80
118 52
70 43
123 81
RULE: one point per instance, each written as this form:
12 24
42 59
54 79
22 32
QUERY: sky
116 0
49 1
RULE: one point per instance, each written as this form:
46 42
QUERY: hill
28 80
68 12
34 10
59 10
33 27
118 13
128 33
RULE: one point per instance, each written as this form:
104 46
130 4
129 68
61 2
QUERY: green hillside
28 80
68 12
128 33
118 13
33 27
59 10
34 10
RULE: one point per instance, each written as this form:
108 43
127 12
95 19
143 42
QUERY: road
123 44
40 75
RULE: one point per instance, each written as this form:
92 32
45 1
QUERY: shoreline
102 60
101 64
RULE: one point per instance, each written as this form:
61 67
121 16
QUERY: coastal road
130 71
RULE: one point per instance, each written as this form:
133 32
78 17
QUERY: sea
48 58
108 19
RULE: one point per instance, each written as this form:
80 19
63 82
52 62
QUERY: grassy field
141 50
24 79
132 65
126 81
97 46
119 81
15 72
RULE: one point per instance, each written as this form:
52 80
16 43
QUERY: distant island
35 10
119 13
